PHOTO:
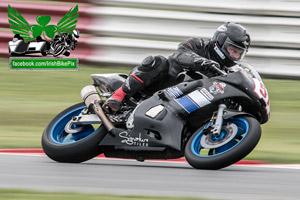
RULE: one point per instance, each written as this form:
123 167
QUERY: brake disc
211 142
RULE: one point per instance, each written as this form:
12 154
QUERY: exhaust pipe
92 100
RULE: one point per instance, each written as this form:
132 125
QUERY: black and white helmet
75 34
231 43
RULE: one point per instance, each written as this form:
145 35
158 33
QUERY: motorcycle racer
228 45
65 39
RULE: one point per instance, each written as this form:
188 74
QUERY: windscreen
250 69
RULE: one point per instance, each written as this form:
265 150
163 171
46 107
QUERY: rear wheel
79 146
239 136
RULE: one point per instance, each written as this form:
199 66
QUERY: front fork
217 122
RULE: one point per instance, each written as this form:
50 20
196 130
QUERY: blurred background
117 34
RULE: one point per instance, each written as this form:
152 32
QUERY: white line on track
274 166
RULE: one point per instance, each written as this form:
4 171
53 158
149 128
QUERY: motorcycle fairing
162 130
254 88
159 120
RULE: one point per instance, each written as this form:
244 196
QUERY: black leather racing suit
184 57
157 72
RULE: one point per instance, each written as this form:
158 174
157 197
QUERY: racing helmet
230 42
75 34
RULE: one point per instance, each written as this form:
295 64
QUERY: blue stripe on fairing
187 104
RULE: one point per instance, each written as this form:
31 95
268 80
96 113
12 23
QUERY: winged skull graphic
20 26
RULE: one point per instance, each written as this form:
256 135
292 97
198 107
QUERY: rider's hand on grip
205 64
215 69
209 66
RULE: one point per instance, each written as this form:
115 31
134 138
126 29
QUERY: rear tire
234 150
85 148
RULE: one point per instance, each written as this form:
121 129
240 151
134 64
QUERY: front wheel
239 136
80 145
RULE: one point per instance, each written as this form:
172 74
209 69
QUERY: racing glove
206 65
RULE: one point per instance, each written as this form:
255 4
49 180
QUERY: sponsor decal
207 95
217 87
133 141
219 52
174 92
261 91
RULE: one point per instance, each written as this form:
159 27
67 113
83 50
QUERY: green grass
10 194
30 99
280 141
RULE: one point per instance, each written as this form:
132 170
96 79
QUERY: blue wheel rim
58 134
243 129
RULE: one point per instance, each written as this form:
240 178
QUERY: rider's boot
139 78
132 84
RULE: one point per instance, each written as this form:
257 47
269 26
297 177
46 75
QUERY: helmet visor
233 51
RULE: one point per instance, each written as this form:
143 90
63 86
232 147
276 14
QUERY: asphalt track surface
115 176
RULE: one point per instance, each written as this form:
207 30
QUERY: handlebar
217 70
209 65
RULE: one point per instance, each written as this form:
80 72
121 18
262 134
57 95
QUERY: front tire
72 148
210 153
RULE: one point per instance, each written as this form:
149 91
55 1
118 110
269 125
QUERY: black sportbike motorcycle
213 122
